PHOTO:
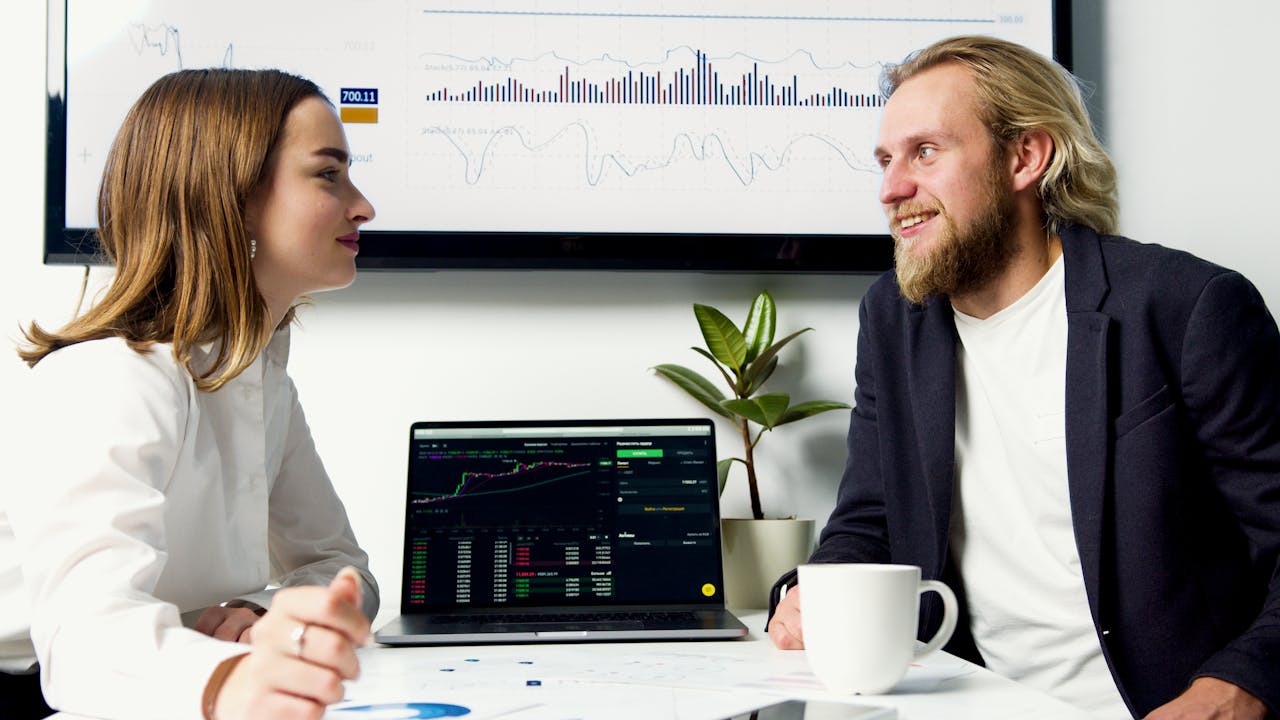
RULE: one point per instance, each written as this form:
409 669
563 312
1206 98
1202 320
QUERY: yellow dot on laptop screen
708 589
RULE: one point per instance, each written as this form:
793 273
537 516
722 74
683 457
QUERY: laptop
561 531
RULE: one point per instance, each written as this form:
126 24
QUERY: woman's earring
253 248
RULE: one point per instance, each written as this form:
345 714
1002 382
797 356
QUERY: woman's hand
225 623
303 648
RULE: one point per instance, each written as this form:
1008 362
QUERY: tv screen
630 134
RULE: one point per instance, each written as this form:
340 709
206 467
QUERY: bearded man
1079 433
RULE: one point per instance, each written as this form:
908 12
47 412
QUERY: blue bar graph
697 85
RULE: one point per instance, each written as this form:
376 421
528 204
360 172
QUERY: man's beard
963 259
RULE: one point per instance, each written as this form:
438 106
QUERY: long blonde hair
171 220
1020 90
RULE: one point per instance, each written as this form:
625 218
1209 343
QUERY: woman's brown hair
171 219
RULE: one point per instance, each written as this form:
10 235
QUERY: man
1077 432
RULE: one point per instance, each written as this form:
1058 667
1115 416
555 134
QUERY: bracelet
248 605
214 686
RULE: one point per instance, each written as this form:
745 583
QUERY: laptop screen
543 513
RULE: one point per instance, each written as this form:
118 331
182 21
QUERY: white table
677 680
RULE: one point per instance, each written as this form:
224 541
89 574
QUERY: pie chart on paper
398 711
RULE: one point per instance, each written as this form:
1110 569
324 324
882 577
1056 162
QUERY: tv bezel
432 250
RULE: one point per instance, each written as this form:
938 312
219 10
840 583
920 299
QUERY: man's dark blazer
1173 461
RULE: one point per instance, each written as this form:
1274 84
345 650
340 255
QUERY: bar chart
698 84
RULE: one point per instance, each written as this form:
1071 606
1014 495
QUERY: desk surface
677 680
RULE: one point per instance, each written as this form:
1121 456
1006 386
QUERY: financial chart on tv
622 116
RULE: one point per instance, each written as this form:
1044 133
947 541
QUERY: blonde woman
178 476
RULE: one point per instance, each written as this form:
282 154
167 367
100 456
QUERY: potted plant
746 358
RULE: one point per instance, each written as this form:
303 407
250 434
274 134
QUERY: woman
178 476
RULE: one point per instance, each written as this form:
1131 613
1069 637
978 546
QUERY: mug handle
950 613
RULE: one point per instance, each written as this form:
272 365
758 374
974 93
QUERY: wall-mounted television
627 134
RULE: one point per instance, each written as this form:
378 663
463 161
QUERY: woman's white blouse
148 499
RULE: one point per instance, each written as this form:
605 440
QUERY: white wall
397 347
1188 108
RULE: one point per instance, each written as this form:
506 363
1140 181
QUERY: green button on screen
646 453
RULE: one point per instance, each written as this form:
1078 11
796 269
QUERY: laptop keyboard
659 616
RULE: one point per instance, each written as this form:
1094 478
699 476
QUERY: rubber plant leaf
759 328
803 410
758 373
723 373
722 470
722 337
771 352
696 385
764 410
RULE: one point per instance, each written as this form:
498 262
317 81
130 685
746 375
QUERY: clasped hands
301 651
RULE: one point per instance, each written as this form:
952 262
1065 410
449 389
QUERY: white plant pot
757 553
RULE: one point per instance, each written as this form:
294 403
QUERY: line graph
745 167
165 39
458 488
525 476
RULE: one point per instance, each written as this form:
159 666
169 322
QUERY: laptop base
705 624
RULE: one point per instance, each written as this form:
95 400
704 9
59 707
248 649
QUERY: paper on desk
923 676
786 672
574 683
570 700
554 700
515 687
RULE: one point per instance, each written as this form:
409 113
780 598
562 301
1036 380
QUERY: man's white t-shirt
1011 520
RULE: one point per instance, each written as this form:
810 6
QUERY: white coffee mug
859 622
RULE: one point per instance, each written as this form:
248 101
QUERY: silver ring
298 636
